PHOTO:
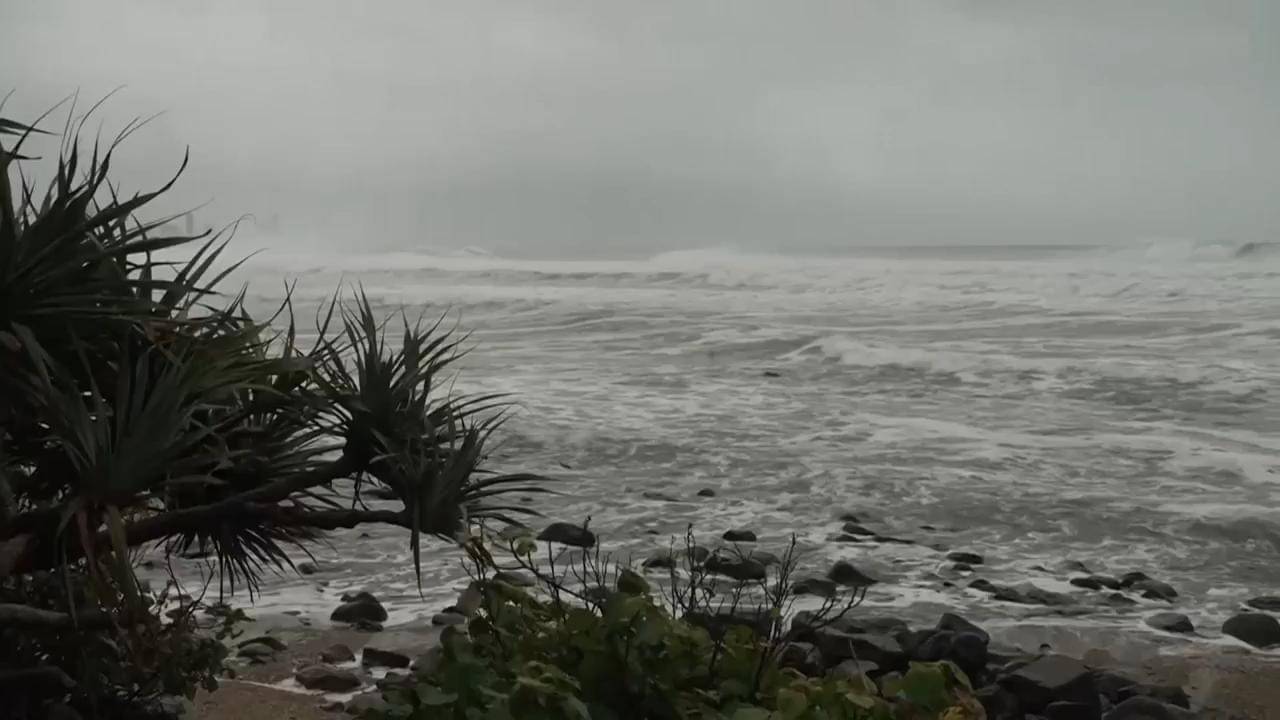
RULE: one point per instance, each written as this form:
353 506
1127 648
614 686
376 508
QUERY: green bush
598 642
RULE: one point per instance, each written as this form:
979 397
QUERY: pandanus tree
141 407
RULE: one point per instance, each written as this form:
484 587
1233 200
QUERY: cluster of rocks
1011 685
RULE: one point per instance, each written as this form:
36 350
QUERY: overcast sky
594 128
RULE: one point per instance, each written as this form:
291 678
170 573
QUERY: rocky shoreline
1028 668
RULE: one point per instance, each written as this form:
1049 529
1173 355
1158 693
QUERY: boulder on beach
1050 679
256 652
1171 622
820 587
306 568
1096 582
659 496
1269 603
1257 629
337 653
955 623
1145 708
706 493
738 568
568 534
1154 590
844 573
758 620
739 535
662 559
853 528
377 657
359 607
968 558
328 679
837 646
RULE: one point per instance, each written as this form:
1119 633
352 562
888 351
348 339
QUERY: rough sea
1116 407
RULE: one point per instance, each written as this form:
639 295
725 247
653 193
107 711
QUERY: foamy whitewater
1034 405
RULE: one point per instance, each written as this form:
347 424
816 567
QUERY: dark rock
1256 629
844 573
854 668
368 626
772 374
328 679
983 585
739 536
853 528
1154 590
969 653
659 496
890 540
1130 579
361 606
256 652
878 625
1072 711
999 704
698 554
375 657
935 647
1119 600
837 646
1269 603
568 534
847 517
331 705
737 568
706 492
394 680
360 596
364 703
955 623
516 578
1096 582
448 618
1073 566
801 656
1145 708
844 538
1171 622
767 559
270 641
337 653
662 559
820 587
1048 679
307 568
968 558
912 640
962 567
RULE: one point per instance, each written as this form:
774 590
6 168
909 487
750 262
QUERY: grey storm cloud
592 128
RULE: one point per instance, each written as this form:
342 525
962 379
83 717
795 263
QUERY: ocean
1117 407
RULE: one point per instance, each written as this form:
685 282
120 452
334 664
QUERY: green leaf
791 703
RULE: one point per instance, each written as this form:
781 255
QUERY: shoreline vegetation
145 410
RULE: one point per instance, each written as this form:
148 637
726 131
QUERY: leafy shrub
600 643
